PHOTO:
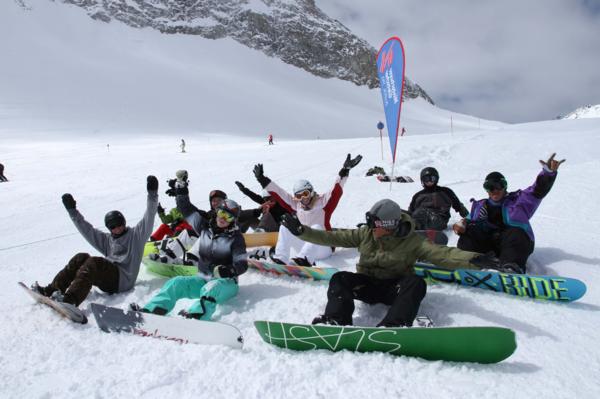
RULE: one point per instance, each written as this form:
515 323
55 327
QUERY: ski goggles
374 222
495 185
302 194
226 216
429 179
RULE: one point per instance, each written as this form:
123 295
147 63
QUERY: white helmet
302 185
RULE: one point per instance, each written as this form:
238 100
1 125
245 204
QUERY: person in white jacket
312 209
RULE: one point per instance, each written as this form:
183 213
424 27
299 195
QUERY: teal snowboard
552 288
455 344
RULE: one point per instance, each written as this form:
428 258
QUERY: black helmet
114 219
495 181
217 193
430 174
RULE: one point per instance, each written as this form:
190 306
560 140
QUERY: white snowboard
179 329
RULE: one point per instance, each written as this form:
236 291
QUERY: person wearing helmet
312 209
430 207
220 255
172 224
500 224
122 249
389 247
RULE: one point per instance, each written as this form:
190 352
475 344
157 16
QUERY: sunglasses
494 185
226 216
302 194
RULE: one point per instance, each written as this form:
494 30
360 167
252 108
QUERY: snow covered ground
45 356
71 85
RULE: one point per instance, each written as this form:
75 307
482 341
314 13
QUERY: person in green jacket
388 248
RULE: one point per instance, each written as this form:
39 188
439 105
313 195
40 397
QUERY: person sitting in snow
312 209
389 247
122 250
500 224
430 207
173 223
272 211
220 255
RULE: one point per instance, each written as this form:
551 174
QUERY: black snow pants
83 271
404 295
511 245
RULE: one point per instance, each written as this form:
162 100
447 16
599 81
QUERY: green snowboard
456 344
167 270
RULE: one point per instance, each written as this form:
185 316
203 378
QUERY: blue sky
511 60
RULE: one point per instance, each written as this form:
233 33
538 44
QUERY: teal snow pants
209 294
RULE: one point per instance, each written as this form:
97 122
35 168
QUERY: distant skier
220 254
312 209
182 145
2 177
430 207
500 223
122 251
388 248
270 138
403 131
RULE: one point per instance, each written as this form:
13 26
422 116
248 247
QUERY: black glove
68 201
240 185
223 271
151 183
160 209
259 173
171 182
349 163
292 223
463 212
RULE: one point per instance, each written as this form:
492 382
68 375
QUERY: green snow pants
209 294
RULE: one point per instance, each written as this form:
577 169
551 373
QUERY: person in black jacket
430 207
272 211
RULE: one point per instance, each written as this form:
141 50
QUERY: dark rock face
296 31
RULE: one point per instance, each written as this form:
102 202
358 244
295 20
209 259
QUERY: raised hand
291 222
68 201
151 183
551 165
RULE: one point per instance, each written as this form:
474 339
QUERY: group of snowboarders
495 234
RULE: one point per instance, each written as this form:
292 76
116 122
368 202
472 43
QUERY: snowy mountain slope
63 71
44 356
589 111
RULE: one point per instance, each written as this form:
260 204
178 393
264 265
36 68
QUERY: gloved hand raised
151 183
160 209
551 165
240 185
291 222
259 173
69 201
222 271
349 163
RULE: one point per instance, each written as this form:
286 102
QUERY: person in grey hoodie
122 251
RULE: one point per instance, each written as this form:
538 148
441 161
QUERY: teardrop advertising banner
390 68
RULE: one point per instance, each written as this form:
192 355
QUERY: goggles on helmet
374 222
226 216
494 185
302 194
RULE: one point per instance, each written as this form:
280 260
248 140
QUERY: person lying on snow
389 247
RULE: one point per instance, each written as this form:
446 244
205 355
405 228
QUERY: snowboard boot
322 319
511 267
302 262
45 291
137 308
188 315
277 260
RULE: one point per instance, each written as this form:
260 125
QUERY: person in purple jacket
500 223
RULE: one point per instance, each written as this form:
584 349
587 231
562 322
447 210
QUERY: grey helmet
384 213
